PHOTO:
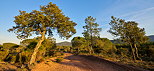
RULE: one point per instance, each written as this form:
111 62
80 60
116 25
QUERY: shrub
57 54
59 59
123 52
1 47
151 53
22 69
3 54
104 45
146 51
9 45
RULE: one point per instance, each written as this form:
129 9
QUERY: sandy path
81 63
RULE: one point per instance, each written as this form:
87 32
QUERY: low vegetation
59 59
133 47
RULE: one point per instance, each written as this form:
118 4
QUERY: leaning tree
43 22
129 33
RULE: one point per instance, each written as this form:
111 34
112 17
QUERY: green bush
123 52
146 51
22 69
9 45
21 54
3 54
57 54
25 56
1 47
104 45
79 45
59 59
151 53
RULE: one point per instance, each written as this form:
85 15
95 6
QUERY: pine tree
43 22
129 33
91 31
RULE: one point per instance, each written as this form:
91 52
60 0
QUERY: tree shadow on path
93 63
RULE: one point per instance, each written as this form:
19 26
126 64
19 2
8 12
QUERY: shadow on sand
94 63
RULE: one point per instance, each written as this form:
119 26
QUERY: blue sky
141 11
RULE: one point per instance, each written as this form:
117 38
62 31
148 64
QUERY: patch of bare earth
82 63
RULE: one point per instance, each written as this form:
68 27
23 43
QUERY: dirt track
81 63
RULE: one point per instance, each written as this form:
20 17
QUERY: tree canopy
91 28
43 22
128 32
48 19
91 31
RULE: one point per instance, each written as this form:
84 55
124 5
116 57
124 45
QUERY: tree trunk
33 57
134 57
92 51
78 50
91 42
136 52
91 46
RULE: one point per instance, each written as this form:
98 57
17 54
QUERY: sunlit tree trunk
91 50
136 52
91 44
33 57
133 52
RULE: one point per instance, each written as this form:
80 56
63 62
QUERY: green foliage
25 57
123 52
49 18
46 47
7 49
91 28
151 52
147 51
100 45
22 54
22 69
91 31
44 51
104 45
43 22
79 44
1 46
29 43
59 59
55 54
129 33
3 54
9 45
64 48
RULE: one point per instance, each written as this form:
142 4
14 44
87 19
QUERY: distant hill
65 43
151 37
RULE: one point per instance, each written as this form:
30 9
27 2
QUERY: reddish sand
82 63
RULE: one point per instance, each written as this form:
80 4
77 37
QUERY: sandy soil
82 63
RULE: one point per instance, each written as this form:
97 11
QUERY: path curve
82 63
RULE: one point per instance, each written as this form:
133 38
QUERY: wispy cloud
136 15
144 17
